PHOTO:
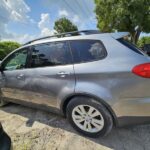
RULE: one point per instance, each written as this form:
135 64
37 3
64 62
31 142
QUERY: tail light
142 70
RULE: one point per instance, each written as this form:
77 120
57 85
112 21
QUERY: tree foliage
6 47
124 15
64 25
142 41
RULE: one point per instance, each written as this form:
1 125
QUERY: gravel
32 129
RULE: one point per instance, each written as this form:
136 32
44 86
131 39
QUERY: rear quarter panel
111 80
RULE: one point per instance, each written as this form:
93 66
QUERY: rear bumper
132 107
132 111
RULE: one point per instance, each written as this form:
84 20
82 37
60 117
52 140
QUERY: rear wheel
89 117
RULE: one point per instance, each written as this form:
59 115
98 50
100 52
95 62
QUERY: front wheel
89 117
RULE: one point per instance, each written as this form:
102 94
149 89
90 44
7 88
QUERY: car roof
75 36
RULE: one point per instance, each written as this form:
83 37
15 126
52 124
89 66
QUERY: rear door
51 75
89 61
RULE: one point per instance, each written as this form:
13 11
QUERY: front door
12 78
41 77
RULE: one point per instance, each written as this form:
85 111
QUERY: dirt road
32 129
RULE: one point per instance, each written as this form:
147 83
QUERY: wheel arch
66 101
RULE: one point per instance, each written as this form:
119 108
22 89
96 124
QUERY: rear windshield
131 46
87 50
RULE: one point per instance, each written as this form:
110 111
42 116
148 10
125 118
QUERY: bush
144 40
6 47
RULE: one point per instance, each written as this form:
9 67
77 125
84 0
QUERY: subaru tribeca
98 80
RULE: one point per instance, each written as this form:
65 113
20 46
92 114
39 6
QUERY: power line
88 9
84 11
69 6
75 12
81 8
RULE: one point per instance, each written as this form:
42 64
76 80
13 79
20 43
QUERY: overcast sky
23 20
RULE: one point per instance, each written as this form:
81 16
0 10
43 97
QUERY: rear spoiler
118 35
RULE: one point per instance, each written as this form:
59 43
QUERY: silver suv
98 80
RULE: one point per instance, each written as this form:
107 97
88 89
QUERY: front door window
16 60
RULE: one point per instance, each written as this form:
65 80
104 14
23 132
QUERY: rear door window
87 50
50 54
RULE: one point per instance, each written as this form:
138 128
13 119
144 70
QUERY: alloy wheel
88 118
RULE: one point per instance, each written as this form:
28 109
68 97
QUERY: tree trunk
135 36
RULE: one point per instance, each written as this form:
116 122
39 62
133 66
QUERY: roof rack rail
67 34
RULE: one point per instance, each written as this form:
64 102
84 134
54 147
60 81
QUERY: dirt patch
32 129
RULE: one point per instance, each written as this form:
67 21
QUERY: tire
2 102
80 121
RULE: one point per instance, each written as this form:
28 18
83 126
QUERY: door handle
21 76
63 74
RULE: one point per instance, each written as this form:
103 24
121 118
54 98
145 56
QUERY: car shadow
135 137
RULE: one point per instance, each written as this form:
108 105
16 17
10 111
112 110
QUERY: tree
142 41
64 25
124 15
6 47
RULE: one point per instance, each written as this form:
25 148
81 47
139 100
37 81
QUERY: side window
17 60
50 54
87 50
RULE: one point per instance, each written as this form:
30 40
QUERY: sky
24 20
